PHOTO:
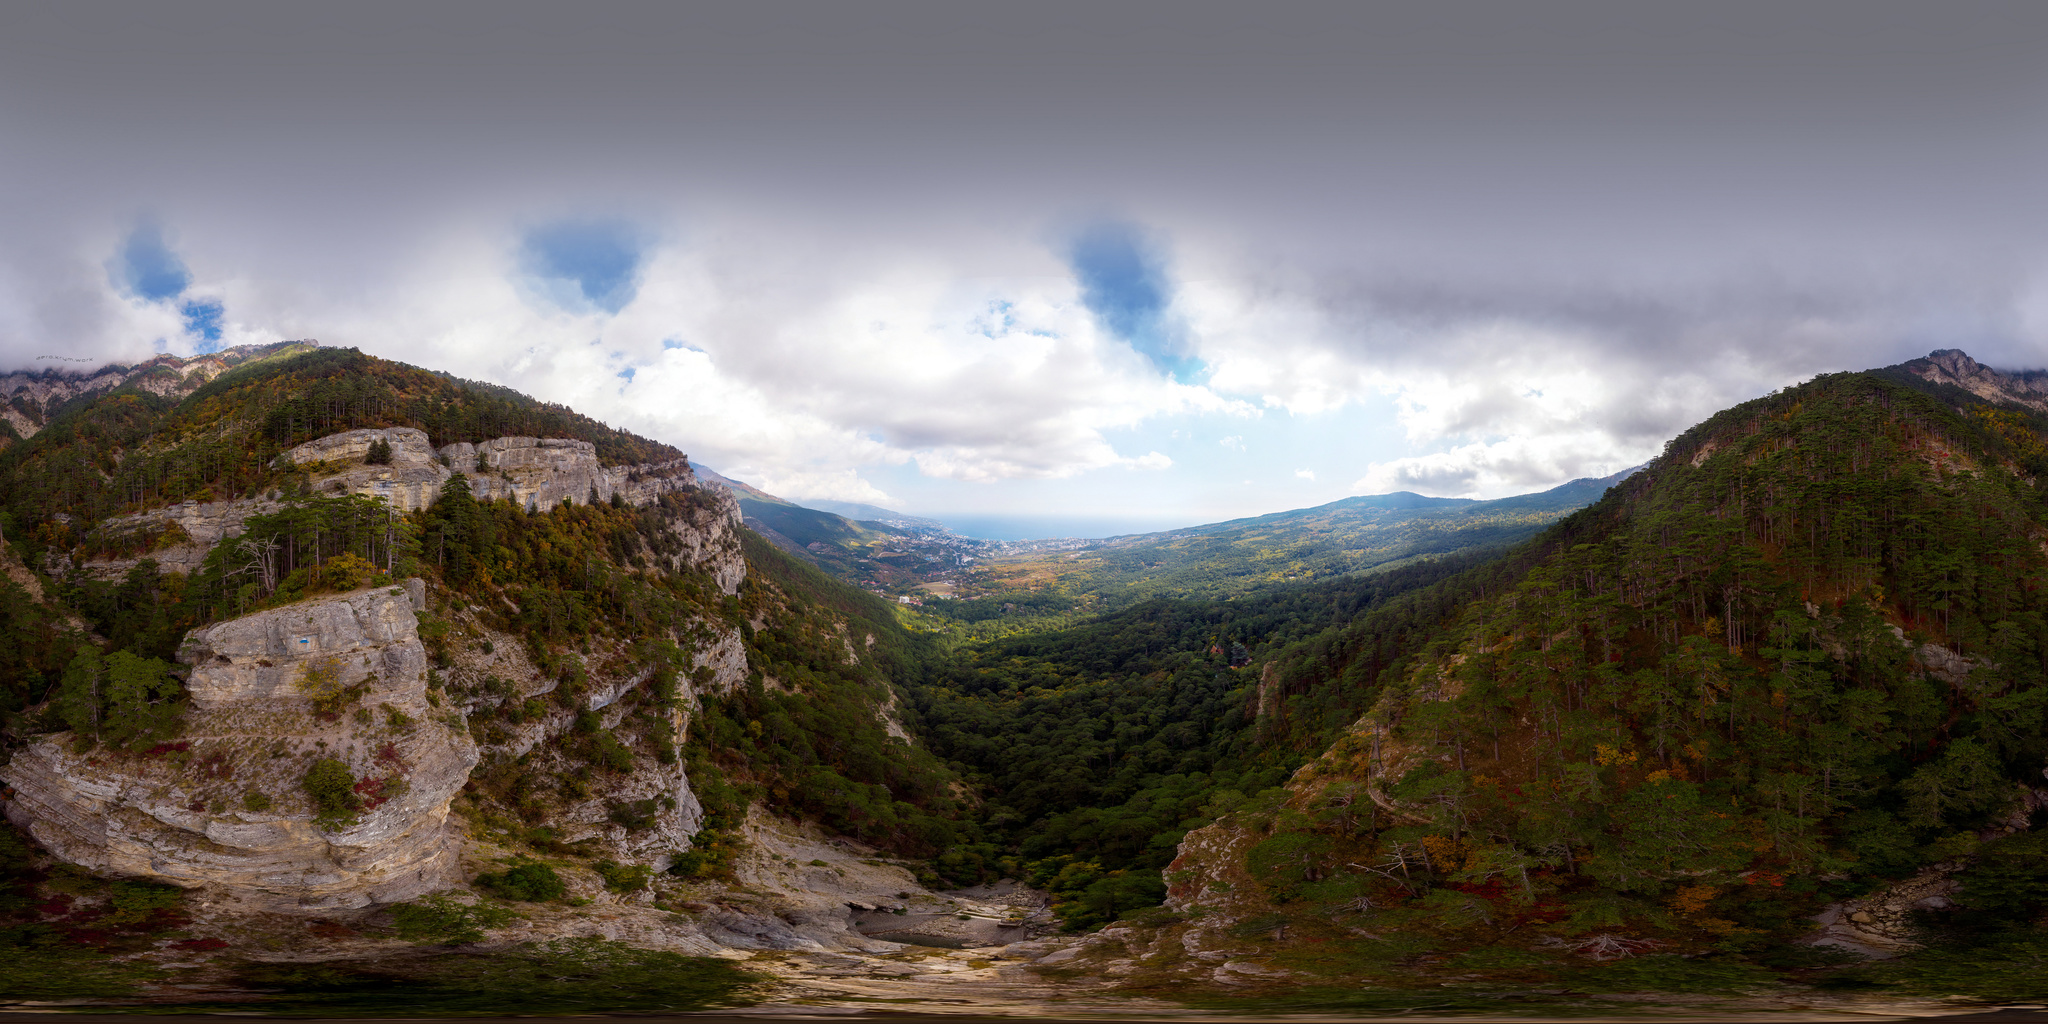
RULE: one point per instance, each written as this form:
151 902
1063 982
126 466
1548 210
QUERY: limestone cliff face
537 472
199 526
223 809
708 535
662 810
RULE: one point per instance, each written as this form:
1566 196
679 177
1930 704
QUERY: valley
328 674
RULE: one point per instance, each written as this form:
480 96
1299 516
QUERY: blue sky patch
202 321
1125 284
586 264
147 268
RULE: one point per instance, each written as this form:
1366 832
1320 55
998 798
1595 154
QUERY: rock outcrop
645 814
223 808
191 529
537 472
1954 366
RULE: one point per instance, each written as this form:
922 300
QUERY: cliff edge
340 679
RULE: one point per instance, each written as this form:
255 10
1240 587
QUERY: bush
608 753
440 920
136 901
122 698
636 814
256 801
2010 877
530 881
321 681
346 571
332 788
710 855
624 877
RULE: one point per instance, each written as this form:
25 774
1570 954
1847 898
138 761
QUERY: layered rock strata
223 808
198 527
663 814
537 472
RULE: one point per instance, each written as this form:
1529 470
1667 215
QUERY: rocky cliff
342 677
1954 366
536 472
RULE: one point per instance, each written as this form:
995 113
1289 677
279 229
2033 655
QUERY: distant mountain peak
2027 388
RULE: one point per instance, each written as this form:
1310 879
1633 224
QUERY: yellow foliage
321 680
1610 756
1692 899
347 571
1445 853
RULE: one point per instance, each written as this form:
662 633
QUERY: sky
1150 264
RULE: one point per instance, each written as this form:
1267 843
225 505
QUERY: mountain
895 557
875 514
1279 549
305 636
1778 697
319 657
1949 368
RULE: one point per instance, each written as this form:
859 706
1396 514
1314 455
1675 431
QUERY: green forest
1701 708
1801 655
141 450
1281 550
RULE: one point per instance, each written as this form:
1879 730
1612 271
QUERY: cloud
1498 388
1306 474
1490 274
1234 442
791 374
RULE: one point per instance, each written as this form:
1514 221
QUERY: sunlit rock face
223 807
536 472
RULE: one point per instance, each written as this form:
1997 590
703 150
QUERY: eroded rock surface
1953 366
537 472
199 526
223 807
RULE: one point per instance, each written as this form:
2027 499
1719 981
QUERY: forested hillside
614 663
1798 657
1100 745
1800 661
1221 561
139 449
